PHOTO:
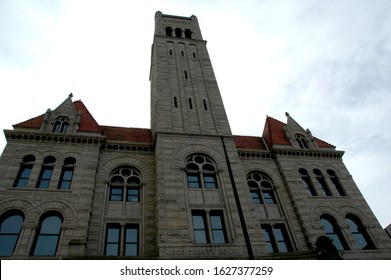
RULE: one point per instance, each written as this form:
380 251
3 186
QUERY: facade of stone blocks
186 188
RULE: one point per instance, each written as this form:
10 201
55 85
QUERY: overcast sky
327 63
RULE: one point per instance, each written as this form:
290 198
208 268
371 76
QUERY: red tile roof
141 135
87 122
31 123
249 142
274 134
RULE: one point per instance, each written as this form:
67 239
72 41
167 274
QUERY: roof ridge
111 126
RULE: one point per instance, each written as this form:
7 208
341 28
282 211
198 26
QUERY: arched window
188 33
168 31
24 172
178 32
60 125
125 180
332 230
307 182
301 141
359 232
67 173
48 235
336 183
10 226
322 183
261 188
201 172
46 172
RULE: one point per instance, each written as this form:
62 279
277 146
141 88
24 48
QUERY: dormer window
300 139
60 125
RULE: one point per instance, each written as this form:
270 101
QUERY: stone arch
68 211
145 169
183 152
21 204
260 167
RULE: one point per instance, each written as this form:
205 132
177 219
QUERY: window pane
218 236
198 222
112 249
210 182
67 175
46 245
51 225
200 236
266 236
133 194
116 194
113 235
8 243
131 235
131 250
280 239
193 181
268 198
215 222
22 183
65 185
255 197
11 224
25 172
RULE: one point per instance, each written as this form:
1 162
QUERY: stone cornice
275 152
34 136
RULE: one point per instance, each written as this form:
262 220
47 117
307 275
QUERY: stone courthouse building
186 188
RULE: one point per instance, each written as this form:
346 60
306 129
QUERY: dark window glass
66 178
258 184
336 183
217 228
24 171
188 33
9 233
201 172
125 183
133 194
131 240
210 182
24 175
48 236
199 227
359 233
276 238
60 125
44 178
333 232
168 31
255 197
301 141
322 183
307 182
193 181
267 236
268 197
178 32
116 193
112 240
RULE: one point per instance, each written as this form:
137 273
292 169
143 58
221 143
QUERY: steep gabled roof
274 134
87 123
